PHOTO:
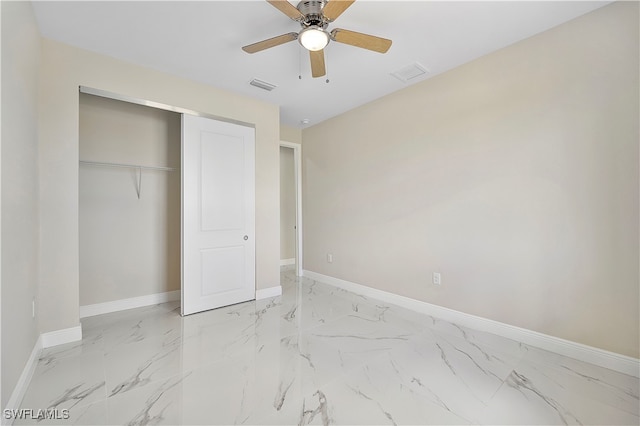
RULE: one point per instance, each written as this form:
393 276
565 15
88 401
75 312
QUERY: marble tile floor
315 355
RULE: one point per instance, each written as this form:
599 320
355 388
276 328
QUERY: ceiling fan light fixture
313 38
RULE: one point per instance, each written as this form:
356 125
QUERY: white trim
60 337
265 293
23 382
600 357
124 304
286 262
297 166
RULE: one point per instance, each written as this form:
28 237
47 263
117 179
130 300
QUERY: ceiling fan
314 17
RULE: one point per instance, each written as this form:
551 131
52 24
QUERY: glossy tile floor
316 355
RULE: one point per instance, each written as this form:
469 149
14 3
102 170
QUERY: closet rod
129 166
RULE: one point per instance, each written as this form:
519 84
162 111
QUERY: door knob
246 237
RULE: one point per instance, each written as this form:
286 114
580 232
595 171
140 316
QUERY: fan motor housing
312 11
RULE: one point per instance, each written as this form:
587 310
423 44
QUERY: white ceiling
201 41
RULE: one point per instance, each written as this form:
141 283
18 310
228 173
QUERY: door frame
297 170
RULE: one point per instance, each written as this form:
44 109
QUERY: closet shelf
128 166
138 168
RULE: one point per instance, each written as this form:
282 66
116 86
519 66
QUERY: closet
166 207
129 200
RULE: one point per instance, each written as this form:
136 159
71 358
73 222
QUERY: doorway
291 206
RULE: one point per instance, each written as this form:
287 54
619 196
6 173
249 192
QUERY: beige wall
290 134
515 176
129 247
287 204
20 61
64 68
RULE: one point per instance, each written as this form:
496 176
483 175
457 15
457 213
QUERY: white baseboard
124 304
265 293
23 381
600 357
60 337
285 262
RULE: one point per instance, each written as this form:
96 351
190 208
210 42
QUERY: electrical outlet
329 258
436 278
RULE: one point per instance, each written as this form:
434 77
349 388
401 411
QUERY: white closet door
218 214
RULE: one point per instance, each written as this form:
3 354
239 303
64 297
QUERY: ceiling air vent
262 84
410 72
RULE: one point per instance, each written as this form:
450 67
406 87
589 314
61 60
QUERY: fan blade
317 63
334 8
287 8
365 41
270 42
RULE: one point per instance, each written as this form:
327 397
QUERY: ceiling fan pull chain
299 63
326 56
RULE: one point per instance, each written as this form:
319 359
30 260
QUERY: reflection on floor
316 355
